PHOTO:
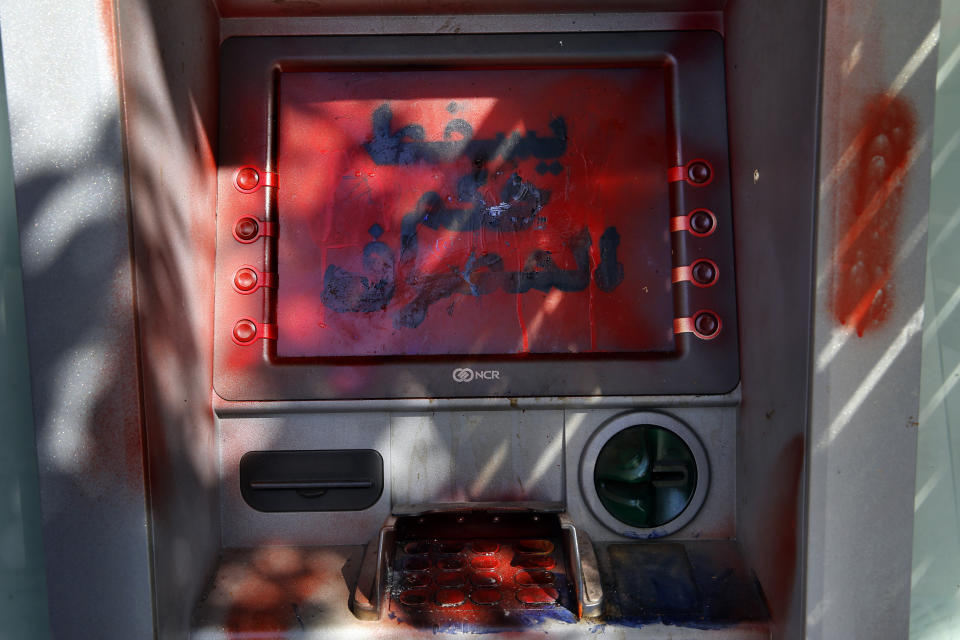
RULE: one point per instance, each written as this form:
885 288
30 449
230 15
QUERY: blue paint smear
658 584
520 621
652 535
685 623
534 617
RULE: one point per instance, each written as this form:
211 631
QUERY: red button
485 579
417 548
415 597
450 597
537 595
416 579
244 331
706 324
534 546
484 562
451 547
248 178
416 564
699 172
246 229
245 279
704 272
534 561
485 546
485 596
450 578
450 563
529 578
702 222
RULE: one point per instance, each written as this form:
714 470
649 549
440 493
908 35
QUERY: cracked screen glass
464 212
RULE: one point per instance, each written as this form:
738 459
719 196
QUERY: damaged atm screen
482 212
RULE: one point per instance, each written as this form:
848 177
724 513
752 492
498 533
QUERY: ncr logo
469 375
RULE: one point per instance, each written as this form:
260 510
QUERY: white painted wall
23 597
935 593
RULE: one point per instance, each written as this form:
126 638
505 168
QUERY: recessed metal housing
588 463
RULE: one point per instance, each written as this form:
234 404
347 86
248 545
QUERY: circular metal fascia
603 435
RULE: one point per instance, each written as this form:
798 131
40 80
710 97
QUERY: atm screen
483 212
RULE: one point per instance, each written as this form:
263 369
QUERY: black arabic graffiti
609 273
519 208
485 274
406 145
345 291
482 274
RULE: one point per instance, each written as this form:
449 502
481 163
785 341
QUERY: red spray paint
274 596
784 506
109 29
868 227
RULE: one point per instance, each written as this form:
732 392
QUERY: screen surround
693 348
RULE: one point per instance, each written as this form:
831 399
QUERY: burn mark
609 274
485 274
407 145
520 202
482 274
345 291
867 240
517 210
435 287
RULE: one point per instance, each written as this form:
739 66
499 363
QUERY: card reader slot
325 480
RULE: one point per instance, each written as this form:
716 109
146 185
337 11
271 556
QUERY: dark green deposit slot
645 476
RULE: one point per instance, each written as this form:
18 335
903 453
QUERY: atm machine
512 235
491 318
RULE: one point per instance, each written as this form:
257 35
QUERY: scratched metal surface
306 8
226 409
301 592
497 456
773 74
874 190
68 160
279 25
